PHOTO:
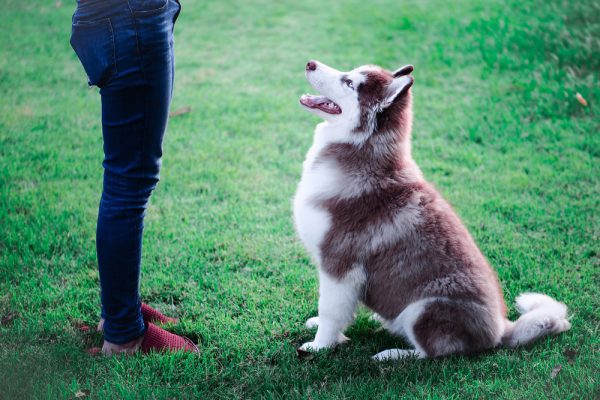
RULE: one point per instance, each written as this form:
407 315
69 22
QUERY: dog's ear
396 89
407 69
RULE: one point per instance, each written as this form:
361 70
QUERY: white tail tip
541 316
527 302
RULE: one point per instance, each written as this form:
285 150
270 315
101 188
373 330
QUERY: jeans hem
122 337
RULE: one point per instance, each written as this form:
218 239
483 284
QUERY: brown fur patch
370 94
455 327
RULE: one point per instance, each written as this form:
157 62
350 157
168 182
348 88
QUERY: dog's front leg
338 299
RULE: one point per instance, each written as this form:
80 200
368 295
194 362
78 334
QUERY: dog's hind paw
397 354
377 318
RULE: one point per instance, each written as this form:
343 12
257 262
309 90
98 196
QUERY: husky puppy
380 234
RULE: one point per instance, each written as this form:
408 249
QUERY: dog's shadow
368 332
364 332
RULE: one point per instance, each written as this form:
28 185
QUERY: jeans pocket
94 44
148 6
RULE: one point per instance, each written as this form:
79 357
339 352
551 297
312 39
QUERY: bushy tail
541 315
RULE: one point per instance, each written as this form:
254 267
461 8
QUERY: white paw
312 322
377 318
312 347
396 354
342 338
317 346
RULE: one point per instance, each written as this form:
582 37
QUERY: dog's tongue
312 101
320 102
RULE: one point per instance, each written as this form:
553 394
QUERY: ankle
130 347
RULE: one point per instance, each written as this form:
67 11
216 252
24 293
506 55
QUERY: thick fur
380 234
540 315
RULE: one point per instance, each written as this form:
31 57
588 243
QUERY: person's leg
126 48
135 108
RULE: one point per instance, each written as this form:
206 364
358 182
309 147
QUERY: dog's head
366 99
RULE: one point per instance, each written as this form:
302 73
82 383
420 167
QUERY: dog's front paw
312 322
313 347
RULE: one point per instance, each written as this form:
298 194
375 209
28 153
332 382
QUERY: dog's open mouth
321 103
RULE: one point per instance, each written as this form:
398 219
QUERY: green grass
497 128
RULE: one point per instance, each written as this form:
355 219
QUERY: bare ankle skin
109 349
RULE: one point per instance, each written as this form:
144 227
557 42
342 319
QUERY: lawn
498 128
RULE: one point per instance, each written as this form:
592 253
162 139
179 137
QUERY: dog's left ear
396 89
407 69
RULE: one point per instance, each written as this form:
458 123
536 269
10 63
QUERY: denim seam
141 63
137 41
112 38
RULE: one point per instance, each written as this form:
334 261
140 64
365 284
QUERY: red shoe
152 315
155 339
158 340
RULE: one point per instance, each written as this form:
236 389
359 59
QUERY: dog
382 235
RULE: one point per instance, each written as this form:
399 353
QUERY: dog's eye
349 84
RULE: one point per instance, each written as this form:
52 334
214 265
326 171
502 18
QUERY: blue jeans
126 49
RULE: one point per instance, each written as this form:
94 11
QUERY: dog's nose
311 66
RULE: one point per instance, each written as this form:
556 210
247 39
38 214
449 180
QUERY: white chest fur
319 181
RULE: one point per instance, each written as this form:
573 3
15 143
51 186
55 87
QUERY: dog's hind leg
448 326
402 325
439 327
338 299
